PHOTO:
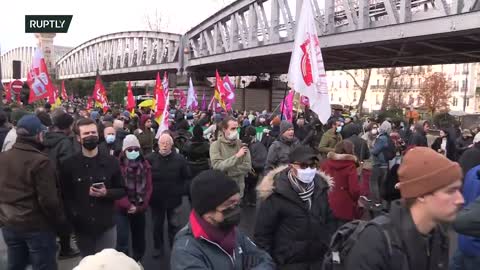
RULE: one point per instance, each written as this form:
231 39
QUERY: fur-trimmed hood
267 185
335 156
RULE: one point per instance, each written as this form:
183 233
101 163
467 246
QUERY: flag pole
284 96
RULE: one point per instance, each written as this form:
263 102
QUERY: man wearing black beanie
211 239
59 146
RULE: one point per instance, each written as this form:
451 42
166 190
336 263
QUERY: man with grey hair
381 155
170 177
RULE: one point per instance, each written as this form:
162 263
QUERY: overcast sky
92 18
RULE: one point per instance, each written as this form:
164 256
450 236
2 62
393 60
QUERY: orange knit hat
423 171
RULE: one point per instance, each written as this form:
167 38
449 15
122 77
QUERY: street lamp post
465 91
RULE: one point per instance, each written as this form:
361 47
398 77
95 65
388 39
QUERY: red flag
160 100
8 93
100 94
90 103
64 92
38 79
130 99
220 91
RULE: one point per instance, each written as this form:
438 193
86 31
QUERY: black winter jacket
170 176
463 145
197 155
59 147
360 147
416 251
189 252
451 151
296 237
258 154
90 214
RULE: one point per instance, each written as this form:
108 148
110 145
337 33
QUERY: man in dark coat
258 154
430 187
59 146
91 183
31 212
301 128
170 176
295 223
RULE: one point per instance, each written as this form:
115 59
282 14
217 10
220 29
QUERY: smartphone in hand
98 185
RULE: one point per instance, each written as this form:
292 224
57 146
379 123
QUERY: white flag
306 73
192 102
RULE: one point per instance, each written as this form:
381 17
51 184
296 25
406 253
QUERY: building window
464 85
468 102
331 86
339 84
346 84
378 82
385 82
455 102
419 82
331 98
354 96
411 82
339 99
377 100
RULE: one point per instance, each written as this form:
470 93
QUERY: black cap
210 189
302 154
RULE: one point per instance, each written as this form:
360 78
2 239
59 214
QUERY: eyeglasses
305 165
133 150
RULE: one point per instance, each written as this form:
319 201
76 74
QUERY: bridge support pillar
277 93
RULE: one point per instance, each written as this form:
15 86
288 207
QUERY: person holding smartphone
92 182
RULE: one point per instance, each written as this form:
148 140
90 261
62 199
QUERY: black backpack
347 236
390 152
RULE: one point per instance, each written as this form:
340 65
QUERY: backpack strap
398 258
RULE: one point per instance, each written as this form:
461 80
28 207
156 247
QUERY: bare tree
435 92
363 87
156 21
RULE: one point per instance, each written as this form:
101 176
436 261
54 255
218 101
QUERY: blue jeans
135 225
36 248
461 261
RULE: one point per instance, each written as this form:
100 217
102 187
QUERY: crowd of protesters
84 180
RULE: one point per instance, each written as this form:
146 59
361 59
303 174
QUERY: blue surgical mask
132 155
110 138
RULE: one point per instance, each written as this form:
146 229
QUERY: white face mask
374 131
306 175
232 136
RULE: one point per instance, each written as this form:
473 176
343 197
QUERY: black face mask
90 142
231 218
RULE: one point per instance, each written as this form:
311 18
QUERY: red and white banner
100 94
306 73
38 79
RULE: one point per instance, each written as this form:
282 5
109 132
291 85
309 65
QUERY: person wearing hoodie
380 163
229 155
467 256
132 208
294 221
471 157
59 147
281 148
419 136
212 240
341 165
145 134
271 135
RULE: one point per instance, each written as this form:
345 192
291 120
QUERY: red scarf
203 229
